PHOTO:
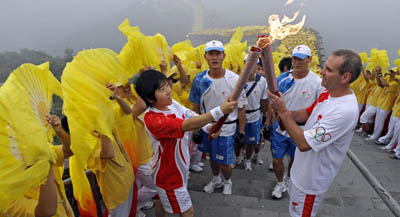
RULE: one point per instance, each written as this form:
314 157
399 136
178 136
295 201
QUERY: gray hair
351 63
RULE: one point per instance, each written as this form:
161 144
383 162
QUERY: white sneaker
140 214
212 185
247 166
196 168
227 187
369 138
201 164
278 190
148 205
286 180
237 162
257 160
271 167
359 130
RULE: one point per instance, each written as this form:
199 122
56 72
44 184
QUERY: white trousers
395 139
380 118
302 204
145 184
124 209
196 158
392 123
368 115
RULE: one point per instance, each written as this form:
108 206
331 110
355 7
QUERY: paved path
349 195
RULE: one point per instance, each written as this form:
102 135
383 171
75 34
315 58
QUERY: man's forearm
300 116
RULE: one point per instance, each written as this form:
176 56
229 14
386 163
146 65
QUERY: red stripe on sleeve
324 96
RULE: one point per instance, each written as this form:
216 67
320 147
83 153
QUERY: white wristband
216 113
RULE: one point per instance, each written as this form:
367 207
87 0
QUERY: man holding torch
322 143
208 90
300 88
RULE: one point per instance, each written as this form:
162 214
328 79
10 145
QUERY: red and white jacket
170 144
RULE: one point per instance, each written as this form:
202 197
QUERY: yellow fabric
115 176
355 85
63 206
138 51
181 95
389 95
25 137
374 95
235 52
162 50
181 49
25 207
88 108
145 147
196 55
396 107
364 57
133 136
397 63
363 91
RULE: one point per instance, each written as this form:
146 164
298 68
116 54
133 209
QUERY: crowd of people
377 92
140 137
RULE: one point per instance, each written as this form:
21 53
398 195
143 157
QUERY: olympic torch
264 41
248 67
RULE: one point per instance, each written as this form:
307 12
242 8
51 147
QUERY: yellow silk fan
364 57
138 52
235 52
181 49
25 136
88 108
163 50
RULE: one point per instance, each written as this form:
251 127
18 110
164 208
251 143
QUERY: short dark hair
147 84
351 63
286 61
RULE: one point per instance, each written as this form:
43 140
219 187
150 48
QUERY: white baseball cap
214 45
301 51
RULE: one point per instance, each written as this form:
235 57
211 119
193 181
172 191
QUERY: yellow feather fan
25 136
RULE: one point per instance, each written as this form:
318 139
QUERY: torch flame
281 29
288 2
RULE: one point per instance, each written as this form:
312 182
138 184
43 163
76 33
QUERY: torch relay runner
169 124
321 145
209 89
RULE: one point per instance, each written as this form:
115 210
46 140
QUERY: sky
52 25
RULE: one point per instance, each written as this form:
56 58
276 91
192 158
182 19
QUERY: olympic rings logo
320 134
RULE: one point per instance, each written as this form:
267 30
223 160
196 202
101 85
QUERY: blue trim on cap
215 48
300 55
